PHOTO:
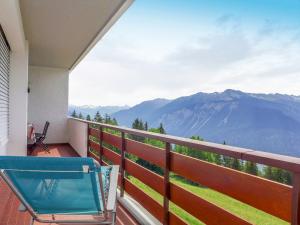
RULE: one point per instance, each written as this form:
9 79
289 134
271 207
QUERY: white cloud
121 71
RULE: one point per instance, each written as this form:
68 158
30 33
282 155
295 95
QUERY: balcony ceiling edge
61 33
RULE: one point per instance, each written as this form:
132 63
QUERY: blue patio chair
53 189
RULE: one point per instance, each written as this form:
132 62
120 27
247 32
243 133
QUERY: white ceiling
61 32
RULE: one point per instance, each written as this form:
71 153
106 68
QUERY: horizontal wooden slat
151 179
271 197
148 203
173 219
112 140
106 164
147 152
94 132
112 156
94 145
93 155
203 210
280 161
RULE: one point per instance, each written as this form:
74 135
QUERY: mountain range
92 110
267 122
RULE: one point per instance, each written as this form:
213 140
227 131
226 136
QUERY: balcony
112 144
37 91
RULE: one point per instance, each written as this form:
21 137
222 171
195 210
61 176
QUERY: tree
106 118
150 166
98 117
217 159
251 167
139 125
227 161
80 116
114 122
236 164
277 174
268 173
74 114
161 129
287 177
146 126
88 117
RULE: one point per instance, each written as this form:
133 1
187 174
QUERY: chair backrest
51 185
46 128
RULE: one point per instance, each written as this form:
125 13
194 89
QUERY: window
4 86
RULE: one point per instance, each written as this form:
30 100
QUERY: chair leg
114 215
32 221
45 147
33 146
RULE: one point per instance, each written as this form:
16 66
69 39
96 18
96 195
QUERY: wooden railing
279 200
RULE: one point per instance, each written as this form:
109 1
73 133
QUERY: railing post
296 199
122 166
100 145
167 184
88 140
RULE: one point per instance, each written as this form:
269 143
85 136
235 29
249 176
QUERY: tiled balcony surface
9 214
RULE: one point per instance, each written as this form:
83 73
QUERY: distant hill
92 110
268 122
143 110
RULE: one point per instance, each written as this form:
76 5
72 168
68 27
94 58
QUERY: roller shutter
4 87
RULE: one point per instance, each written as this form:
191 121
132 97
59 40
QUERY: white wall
48 100
78 136
17 144
3 148
11 22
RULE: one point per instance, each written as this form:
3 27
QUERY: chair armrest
38 135
112 193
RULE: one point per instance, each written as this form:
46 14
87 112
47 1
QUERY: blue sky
167 49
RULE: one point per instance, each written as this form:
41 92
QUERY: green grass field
236 207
